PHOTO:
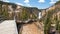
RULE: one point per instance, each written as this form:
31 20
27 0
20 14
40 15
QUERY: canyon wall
9 10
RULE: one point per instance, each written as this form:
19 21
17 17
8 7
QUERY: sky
40 4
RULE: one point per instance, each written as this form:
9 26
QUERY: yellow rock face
30 29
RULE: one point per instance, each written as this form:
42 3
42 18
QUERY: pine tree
47 23
0 9
24 15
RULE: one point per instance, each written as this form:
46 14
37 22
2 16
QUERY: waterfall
39 15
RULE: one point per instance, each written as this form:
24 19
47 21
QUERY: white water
39 16
8 27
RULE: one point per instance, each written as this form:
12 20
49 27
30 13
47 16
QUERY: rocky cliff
51 19
11 10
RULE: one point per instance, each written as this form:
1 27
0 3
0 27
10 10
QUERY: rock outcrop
8 27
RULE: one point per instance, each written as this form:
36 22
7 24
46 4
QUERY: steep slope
9 10
51 19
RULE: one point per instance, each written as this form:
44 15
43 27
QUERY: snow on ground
8 27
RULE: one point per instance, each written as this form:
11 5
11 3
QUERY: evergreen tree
47 23
24 15
0 9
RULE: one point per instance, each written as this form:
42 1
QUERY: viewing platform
8 27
